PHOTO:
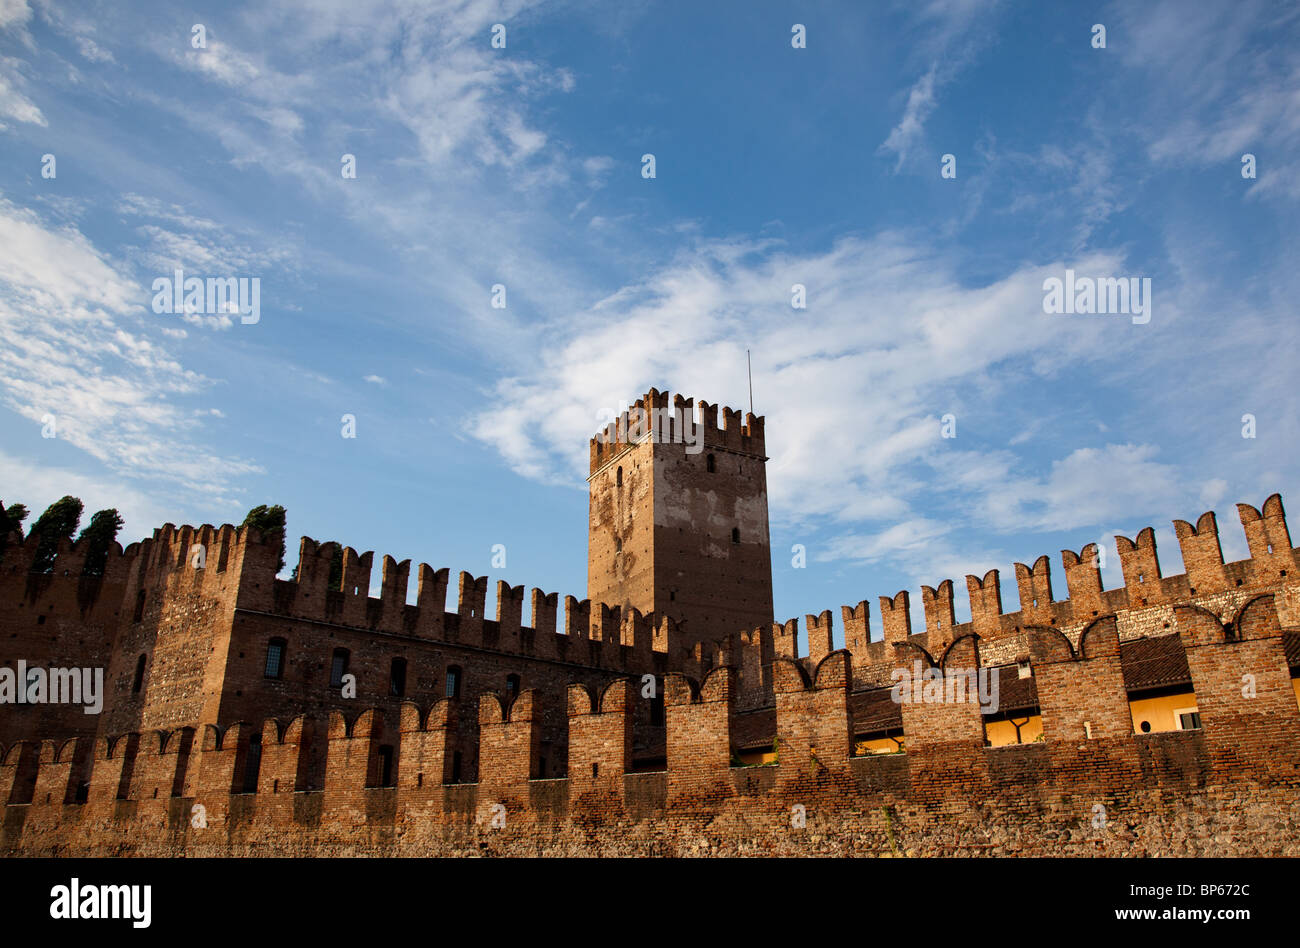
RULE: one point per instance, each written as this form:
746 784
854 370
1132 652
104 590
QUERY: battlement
653 419
19 557
591 633
387 786
1144 603
201 608
206 557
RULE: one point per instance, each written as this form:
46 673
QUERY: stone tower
678 517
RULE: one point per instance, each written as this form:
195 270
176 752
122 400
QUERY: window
512 685
657 707
252 763
453 681
397 679
385 768
618 478
275 658
735 534
339 667
138 682
618 544
710 464
1189 719
455 767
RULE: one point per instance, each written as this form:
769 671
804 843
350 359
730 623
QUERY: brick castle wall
581 760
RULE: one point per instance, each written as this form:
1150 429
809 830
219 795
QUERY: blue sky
774 166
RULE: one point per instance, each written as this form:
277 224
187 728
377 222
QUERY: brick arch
827 675
214 737
340 725
1248 616
63 752
604 696
291 732
1048 644
581 700
1199 626
789 675
491 709
677 686
1090 641
716 681
899 647
974 645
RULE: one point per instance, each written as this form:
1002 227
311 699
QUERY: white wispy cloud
38 483
1218 80
850 387
13 103
14 14
947 36
78 350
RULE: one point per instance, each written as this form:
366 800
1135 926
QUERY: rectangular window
275 658
397 678
338 668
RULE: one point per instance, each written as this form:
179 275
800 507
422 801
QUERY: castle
667 713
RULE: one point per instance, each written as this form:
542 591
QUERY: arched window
735 534
512 686
138 682
339 667
711 465
453 681
397 679
618 478
275 650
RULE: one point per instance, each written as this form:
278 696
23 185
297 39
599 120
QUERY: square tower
678 517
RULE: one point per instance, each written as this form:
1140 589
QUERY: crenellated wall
601 731
58 618
1144 606
652 418
1090 786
